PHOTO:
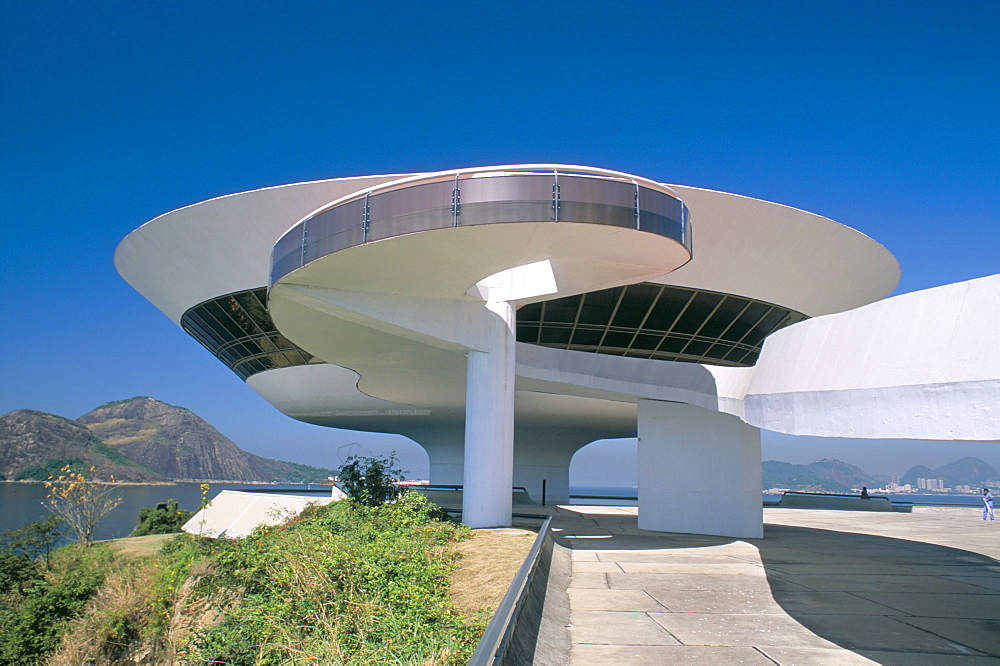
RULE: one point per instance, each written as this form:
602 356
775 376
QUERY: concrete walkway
822 587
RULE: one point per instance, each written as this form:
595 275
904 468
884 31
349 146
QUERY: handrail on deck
496 638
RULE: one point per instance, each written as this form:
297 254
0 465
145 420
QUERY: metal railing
491 195
498 632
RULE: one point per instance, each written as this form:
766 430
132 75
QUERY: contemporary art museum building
504 317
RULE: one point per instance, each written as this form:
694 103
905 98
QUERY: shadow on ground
888 599
880 596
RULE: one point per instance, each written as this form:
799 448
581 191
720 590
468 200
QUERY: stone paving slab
913 659
625 600
721 629
617 628
983 635
657 655
822 587
938 605
801 656
889 583
989 583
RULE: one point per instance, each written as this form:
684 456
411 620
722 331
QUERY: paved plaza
821 587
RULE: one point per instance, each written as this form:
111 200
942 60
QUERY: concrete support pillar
489 424
699 472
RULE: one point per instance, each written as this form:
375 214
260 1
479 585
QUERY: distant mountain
967 471
918 471
841 473
181 445
798 477
138 440
35 445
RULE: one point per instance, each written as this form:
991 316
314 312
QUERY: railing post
638 223
302 256
555 196
365 220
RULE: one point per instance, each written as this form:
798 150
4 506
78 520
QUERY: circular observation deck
484 196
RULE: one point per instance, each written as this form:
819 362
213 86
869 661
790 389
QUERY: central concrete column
699 472
489 424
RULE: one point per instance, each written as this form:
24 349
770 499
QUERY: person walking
987 504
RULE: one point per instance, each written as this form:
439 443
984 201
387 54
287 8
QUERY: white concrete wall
781 255
699 472
923 365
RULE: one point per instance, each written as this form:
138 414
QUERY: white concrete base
699 472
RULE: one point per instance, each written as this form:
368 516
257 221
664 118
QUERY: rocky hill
778 474
140 439
841 473
967 471
35 445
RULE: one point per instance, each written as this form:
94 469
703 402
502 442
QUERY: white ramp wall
699 472
924 365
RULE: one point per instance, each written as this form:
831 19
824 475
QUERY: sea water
21 503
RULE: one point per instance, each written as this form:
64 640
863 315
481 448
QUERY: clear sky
884 116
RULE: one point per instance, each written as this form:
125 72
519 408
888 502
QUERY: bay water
21 503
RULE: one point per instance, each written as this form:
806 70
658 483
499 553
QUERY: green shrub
345 583
164 518
51 467
371 481
33 617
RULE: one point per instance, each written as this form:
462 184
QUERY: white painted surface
489 424
234 514
699 472
923 365
781 255
219 246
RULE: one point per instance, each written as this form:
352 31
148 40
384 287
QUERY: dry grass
489 562
104 632
143 545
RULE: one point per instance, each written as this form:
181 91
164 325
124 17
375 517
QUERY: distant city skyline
881 116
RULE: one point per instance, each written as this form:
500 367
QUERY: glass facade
238 330
483 198
644 320
656 321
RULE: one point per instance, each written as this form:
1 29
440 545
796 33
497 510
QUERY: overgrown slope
343 583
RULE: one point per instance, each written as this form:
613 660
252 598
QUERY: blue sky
883 116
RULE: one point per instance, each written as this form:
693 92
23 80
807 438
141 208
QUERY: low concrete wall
540 634
843 503
531 624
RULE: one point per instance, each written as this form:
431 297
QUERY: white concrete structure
234 514
504 317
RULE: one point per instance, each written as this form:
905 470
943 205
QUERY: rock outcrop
34 445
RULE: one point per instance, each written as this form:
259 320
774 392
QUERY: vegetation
164 518
38 599
80 501
371 481
51 467
121 402
307 474
33 541
345 583
114 455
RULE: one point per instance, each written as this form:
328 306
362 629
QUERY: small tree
80 501
34 540
164 518
371 481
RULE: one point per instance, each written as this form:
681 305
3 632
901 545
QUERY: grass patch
489 561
